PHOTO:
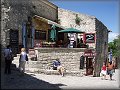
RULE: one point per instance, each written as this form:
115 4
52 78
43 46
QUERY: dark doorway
14 41
89 66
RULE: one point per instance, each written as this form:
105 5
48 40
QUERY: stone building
96 33
24 21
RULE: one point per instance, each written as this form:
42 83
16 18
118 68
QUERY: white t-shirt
23 56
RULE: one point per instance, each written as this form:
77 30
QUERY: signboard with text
90 37
89 53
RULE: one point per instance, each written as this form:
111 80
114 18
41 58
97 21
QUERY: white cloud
112 36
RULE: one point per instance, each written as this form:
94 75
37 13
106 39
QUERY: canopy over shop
44 33
71 30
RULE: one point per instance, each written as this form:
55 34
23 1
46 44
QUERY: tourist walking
22 60
110 69
8 59
103 71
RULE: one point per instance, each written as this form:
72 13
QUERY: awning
56 24
71 30
40 18
49 21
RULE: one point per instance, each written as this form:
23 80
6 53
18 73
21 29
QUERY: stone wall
20 10
69 58
101 44
87 22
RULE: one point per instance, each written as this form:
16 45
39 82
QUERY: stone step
34 66
41 66
55 72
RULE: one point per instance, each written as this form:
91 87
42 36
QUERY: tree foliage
115 46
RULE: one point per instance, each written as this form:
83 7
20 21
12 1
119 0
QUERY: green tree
115 46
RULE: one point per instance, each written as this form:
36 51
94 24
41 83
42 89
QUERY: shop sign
89 53
89 37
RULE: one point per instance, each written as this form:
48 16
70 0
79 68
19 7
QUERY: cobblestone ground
42 81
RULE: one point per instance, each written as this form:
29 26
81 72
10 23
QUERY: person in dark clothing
56 63
74 44
81 41
82 59
8 59
57 66
110 69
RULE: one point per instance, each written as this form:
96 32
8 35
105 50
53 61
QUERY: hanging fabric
24 34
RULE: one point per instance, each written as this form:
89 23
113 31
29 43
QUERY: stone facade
15 12
69 58
101 44
88 24
19 11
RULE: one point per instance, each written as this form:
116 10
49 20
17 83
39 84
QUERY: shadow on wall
16 81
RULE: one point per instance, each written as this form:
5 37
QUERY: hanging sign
89 53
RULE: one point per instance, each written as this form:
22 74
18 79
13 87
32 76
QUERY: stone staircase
45 67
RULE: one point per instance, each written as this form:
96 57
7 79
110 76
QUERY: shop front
89 57
37 33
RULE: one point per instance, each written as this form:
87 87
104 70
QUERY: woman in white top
22 60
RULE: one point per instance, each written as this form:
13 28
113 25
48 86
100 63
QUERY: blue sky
106 11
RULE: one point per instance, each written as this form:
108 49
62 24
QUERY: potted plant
77 20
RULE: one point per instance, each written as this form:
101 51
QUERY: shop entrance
89 66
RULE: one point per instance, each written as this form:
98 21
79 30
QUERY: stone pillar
4 33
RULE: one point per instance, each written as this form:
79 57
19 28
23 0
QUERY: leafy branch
77 20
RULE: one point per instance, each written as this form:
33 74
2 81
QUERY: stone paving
42 81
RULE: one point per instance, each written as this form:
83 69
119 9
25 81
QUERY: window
40 35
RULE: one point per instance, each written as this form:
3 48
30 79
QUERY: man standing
8 59
110 69
82 59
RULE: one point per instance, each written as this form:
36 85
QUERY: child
22 60
104 71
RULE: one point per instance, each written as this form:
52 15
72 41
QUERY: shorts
104 72
59 67
110 72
